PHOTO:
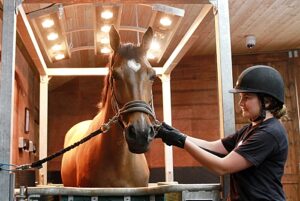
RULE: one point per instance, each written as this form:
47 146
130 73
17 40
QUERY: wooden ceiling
275 23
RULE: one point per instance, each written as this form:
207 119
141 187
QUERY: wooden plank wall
289 69
194 108
194 100
26 95
73 102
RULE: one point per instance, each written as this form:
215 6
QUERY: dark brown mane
105 84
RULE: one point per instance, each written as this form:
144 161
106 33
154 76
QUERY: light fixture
107 14
59 56
52 36
104 40
150 55
155 45
47 23
105 50
51 32
165 21
56 47
105 28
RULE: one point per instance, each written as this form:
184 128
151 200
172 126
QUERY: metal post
226 102
7 94
43 139
12 183
166 88
21 196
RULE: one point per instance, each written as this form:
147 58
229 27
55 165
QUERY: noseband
132 106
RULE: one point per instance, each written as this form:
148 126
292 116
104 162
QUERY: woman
255 155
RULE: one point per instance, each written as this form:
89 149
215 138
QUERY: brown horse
114 159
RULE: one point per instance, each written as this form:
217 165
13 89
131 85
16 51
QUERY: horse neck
115 134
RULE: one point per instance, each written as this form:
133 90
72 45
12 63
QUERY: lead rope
132 106
103 129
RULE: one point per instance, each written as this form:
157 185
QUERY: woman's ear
114 38
147 39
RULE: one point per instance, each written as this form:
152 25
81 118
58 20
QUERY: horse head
131 79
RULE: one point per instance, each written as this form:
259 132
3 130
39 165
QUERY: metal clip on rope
106 126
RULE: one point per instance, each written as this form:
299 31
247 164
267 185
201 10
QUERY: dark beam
120 1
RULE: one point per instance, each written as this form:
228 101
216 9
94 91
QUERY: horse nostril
131 132
151 131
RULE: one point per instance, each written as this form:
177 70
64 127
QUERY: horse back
68 167
77 132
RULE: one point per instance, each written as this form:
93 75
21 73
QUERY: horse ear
114 38
147 39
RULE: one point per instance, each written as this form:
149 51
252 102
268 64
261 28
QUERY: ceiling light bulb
165 21
150 55
104 40
47 23
155 45
56 47
107 14
105 50
59 56
52 36
105 28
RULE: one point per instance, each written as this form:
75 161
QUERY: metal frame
225 82
7 94
181 191
226 108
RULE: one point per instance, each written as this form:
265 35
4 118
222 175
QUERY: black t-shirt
266 147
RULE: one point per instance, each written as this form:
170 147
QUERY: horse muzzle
138 137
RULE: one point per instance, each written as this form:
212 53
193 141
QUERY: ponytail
276 108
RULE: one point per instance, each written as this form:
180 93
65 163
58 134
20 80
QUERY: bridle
131 106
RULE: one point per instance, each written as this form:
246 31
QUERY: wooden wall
26 90
194 108
194 103
194 100
26 95
69 104
289 69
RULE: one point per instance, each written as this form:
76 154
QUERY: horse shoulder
77 132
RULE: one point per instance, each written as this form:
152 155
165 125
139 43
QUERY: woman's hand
170 135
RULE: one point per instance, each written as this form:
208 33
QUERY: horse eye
115 75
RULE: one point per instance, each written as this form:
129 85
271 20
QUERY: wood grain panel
288 69
275 23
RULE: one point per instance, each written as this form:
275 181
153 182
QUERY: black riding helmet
262 80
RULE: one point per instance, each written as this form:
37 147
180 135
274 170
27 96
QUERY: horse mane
128 51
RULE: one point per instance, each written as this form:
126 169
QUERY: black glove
170 135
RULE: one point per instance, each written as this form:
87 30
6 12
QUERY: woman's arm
231 163
215 146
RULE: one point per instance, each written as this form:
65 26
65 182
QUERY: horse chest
109 172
